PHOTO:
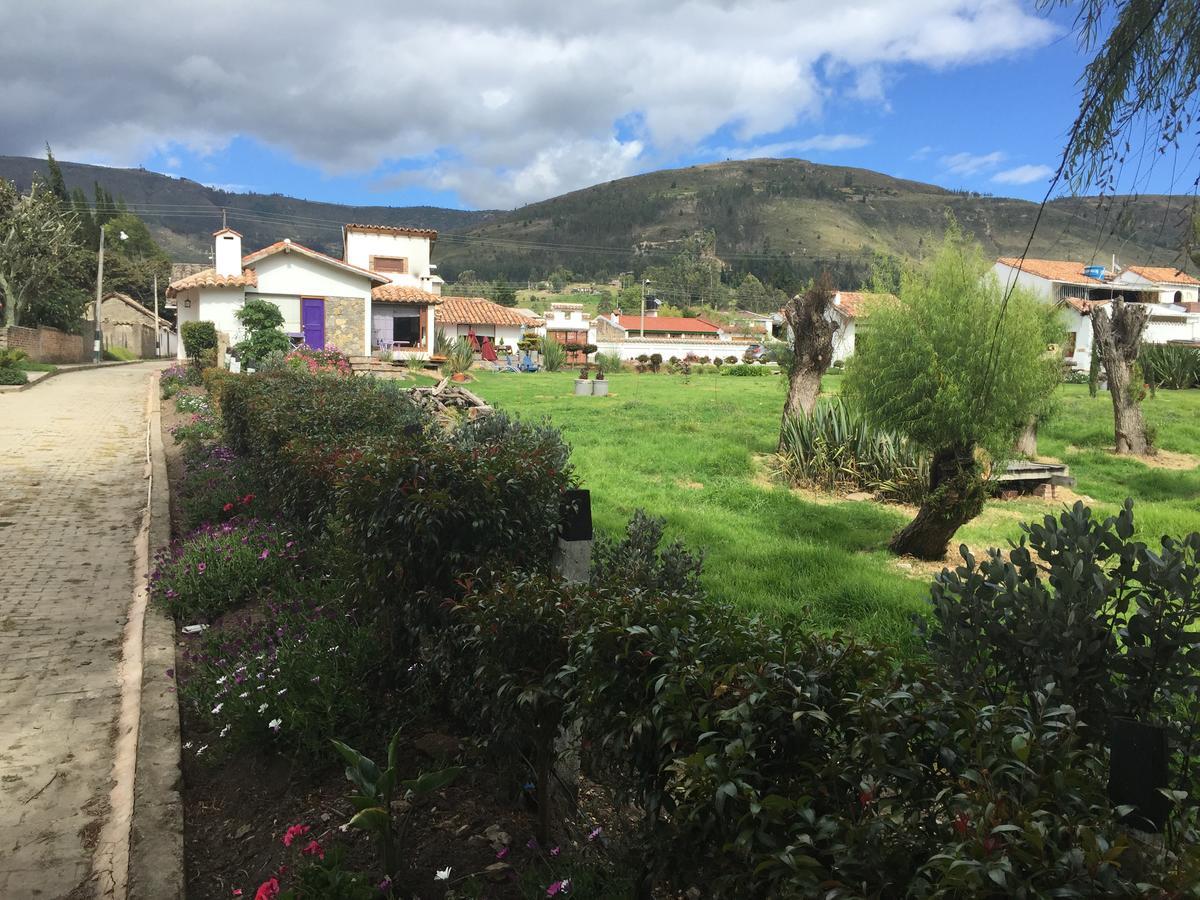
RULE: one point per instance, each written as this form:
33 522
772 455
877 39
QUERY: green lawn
697 452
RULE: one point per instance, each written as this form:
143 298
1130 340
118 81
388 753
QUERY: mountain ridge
781 218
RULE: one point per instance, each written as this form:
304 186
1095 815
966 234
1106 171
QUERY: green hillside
783 219
770 214
183 214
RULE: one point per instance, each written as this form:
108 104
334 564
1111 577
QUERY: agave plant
459 358
1170 366
836 448
554 355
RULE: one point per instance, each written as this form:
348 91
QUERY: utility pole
157 328
99 288
645 282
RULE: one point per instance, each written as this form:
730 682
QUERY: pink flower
237 892
554 851
558 887
314 849
595 833
264 554
293 832
268 890
501 853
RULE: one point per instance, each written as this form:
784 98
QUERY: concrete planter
600 388
583 387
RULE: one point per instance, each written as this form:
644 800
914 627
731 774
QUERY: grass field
698 451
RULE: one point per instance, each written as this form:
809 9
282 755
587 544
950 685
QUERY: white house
464 316
325 302
634 336
1172 295
567 323
848 313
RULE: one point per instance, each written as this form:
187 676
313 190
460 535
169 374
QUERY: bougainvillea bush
218 568
287 678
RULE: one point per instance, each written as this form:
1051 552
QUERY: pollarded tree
810 332
1117 341
956 370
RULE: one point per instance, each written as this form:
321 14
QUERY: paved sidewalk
72 487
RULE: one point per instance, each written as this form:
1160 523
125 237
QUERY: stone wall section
345 324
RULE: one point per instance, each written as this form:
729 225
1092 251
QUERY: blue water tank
1096 272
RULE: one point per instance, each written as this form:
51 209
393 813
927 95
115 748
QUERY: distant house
849 312
461 316
567 323
382 294
126 323
634 336
1172 295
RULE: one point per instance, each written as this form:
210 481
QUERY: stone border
156 831
71 367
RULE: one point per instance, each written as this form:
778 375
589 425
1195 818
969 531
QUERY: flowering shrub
201 428
176 378
215 487
319 362
191 402
220 567
289 680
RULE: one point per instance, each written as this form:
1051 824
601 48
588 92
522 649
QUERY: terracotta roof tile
210 278
1083 307
403 293
478 311
1163 274
855 304
1052 269
392 229
658 324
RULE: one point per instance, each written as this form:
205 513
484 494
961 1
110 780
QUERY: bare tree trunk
1027 440
955 497
812 347
1118 340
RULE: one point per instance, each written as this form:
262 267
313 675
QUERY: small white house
848 313
1172 295
480 317
325 302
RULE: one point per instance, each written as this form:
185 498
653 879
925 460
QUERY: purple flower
595 833
200 567
264 554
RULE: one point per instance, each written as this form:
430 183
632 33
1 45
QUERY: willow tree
956 368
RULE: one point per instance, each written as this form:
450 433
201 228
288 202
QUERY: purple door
312 322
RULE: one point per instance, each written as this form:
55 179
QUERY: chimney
227 253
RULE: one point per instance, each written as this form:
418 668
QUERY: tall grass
609 362
1170 365
836 448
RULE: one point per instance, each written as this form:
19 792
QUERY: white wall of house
361 246
284 278
633 347
500 334
843 337
216 305
1040 286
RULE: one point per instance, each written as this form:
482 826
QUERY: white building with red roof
1172 295
381 295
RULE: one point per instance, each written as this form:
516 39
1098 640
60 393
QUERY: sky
482 104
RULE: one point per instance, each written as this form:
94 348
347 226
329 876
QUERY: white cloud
1023 175
513 92
826 143
923 152
970 163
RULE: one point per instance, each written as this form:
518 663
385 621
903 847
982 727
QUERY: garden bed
238 806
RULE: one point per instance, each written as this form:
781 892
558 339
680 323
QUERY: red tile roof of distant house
854 304
1163 274
210 278
291 246
1083 307
660 324
403 293
1059 270
479 311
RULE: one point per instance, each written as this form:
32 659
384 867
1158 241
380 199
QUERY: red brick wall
47 344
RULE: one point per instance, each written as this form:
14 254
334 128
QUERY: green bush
218 568
198 337
609 362
176 378
262 320
836 448
1170 366
748 369
13 375
216 486
636 562
459 359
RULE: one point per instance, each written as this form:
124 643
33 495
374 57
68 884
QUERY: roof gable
289 246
